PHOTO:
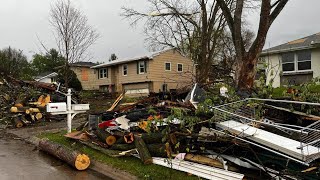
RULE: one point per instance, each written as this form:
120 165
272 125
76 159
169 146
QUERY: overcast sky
22 21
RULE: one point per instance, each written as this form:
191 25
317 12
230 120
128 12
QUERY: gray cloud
21 21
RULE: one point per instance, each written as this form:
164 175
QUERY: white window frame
178 67
295 62
165 66
123 70
142 67
104 74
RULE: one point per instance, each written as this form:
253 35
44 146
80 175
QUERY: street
19 160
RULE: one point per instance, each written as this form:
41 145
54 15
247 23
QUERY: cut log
142 148
18 123
15 109
128 138
105 137
39 116
32 110
151 138
75 159
122 147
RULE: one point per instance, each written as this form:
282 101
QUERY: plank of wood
116 102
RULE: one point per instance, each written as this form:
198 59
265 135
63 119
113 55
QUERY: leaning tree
72 32
247 59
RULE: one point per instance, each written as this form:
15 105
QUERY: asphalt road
21 161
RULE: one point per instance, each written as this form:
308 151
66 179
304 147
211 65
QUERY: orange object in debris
150 118
128 138
43 101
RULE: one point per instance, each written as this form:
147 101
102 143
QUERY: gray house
293 63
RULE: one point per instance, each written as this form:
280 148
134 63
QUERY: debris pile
24 103
250 138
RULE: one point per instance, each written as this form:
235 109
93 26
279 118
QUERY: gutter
311 46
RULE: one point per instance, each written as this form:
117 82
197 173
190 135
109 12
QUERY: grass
130 164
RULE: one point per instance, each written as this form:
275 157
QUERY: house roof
146 56
45 75
308 42
83 64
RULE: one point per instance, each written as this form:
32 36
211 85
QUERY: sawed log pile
23 103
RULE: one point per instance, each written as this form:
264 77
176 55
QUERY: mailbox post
71 110
69 118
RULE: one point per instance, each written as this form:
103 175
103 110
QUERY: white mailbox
57 107
80 107
67 108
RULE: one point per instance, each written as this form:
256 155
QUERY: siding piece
271 140
199 170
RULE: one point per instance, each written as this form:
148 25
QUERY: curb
97 166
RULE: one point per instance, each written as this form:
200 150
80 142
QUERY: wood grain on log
143 150
75 159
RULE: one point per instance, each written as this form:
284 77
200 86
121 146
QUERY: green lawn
130 164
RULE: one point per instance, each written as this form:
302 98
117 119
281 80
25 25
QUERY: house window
304 60
141 67
299 61
180 67
288 62
167 66
125 69
103 73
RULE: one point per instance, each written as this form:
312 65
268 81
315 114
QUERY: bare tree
73 34
193 27
247 58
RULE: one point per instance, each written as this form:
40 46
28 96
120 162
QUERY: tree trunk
202 71
247 73
142 148
105 137
18 123
77 160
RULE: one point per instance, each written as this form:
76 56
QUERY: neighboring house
47 77
294 62
85 74
153 72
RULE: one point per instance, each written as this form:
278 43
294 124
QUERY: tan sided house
85 74
154 72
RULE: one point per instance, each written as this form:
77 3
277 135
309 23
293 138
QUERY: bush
73 81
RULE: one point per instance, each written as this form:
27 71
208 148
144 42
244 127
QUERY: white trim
103 73
54 74
123 70
165 66
295 62
178 67
144 67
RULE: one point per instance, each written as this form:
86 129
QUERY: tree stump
77 160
